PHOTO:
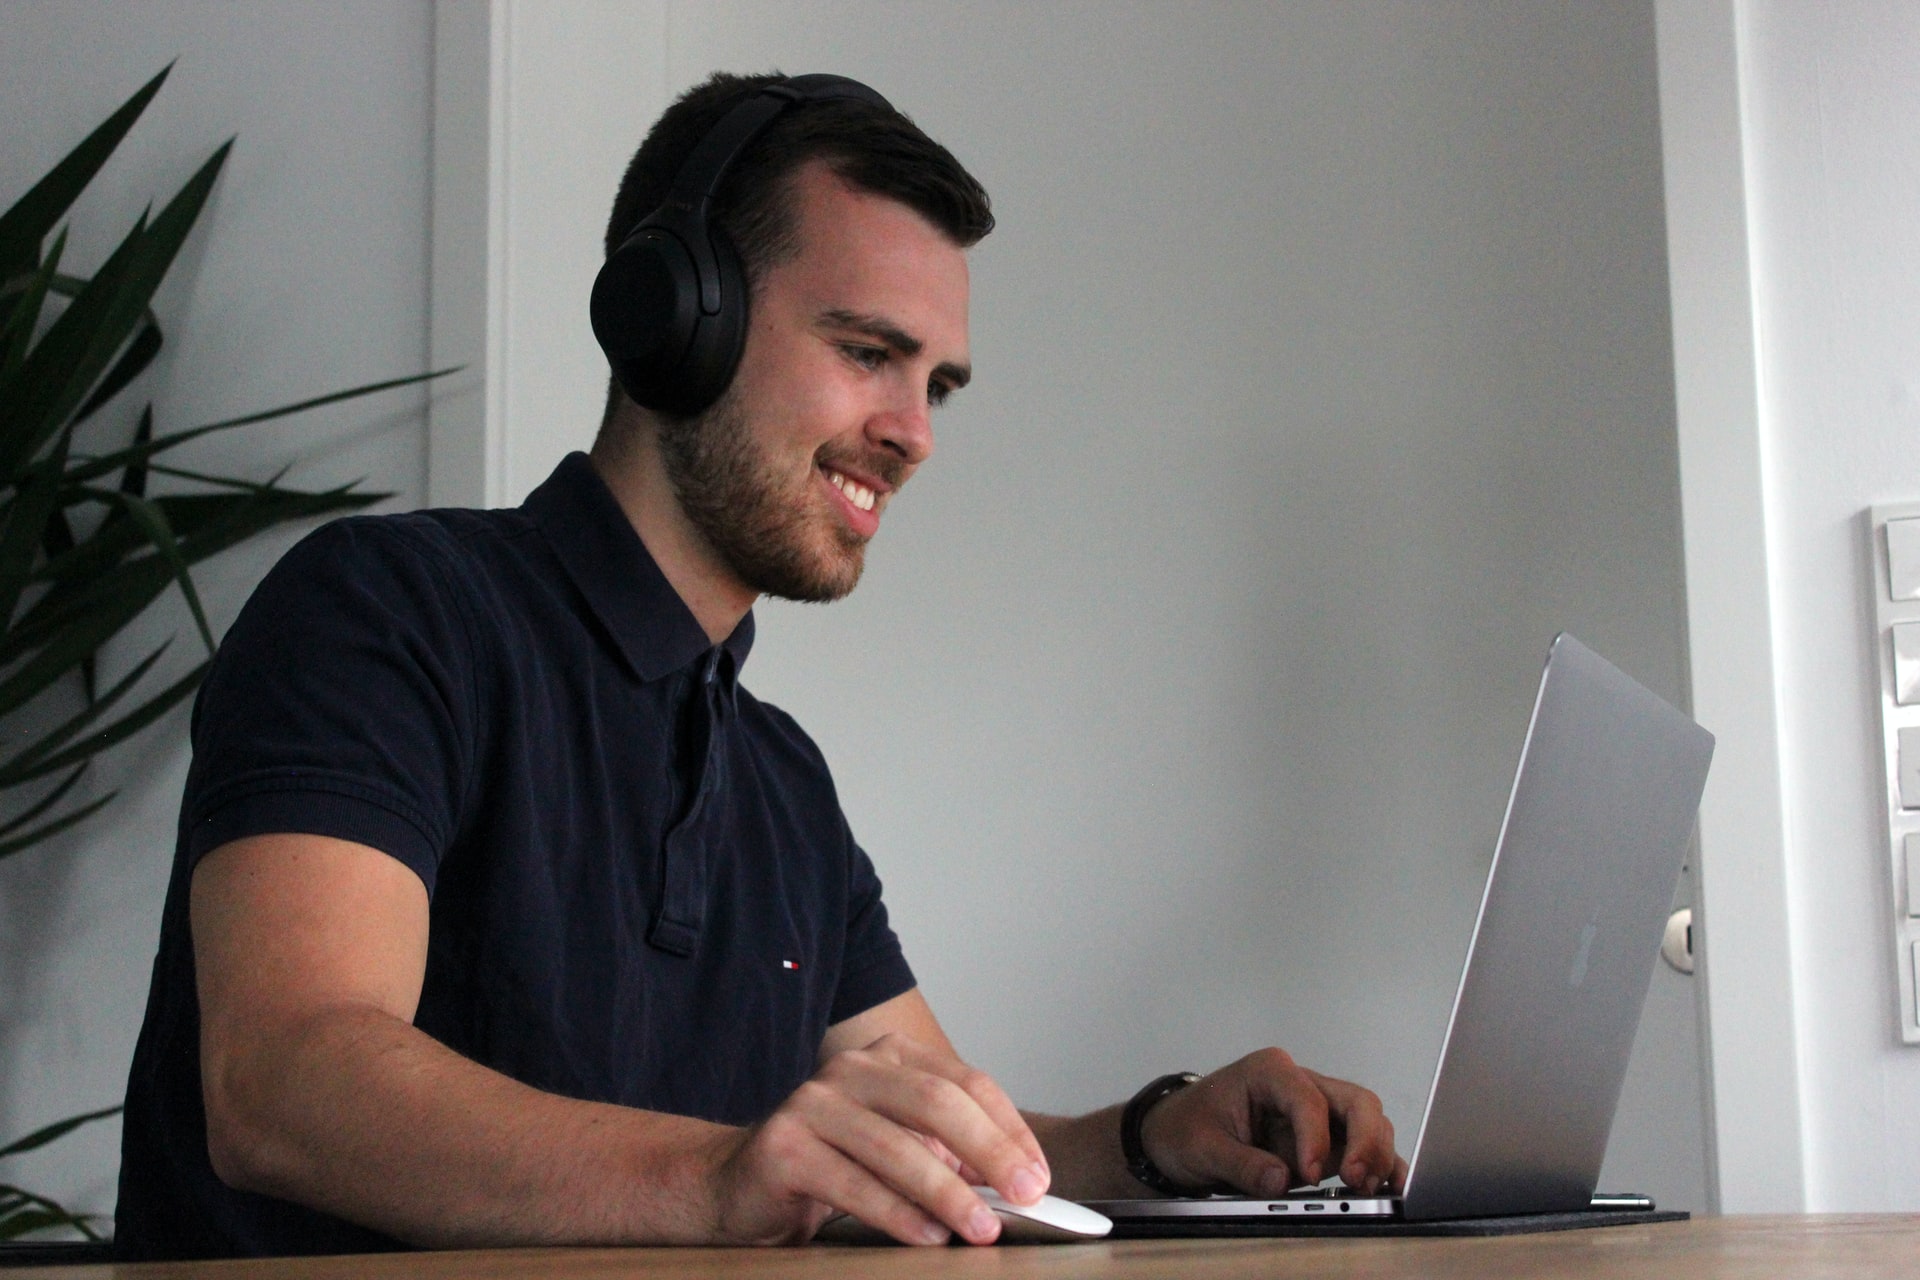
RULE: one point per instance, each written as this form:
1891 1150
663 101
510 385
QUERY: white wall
1832 121
308 272
1323 375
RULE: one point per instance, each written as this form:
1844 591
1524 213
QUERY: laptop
1602 808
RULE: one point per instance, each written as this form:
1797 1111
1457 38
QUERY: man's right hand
891 1133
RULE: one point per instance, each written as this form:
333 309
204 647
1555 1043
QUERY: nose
905 430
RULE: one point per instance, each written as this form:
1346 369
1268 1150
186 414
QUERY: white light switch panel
1893 536
1913 874
1909 768
1906 663
1903 558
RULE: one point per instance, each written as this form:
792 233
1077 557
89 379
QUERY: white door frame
537 106
1750 1051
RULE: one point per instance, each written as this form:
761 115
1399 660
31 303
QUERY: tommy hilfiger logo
792 966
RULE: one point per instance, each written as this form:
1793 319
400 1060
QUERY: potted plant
87 541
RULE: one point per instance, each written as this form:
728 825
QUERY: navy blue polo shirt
642 889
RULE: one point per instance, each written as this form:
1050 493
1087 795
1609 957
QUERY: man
502 914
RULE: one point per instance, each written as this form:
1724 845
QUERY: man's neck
638 481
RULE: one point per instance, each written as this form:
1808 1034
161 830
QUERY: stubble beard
764 531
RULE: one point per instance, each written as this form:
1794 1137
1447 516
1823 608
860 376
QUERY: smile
856 493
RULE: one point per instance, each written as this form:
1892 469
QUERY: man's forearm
1084 1154
359 1114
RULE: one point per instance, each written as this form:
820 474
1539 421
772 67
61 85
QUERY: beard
770 533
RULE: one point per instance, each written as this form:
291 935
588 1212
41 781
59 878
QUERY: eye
865 356
937 392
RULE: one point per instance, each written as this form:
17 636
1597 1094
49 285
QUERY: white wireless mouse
1049 1221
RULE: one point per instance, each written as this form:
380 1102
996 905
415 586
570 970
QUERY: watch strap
1134 1148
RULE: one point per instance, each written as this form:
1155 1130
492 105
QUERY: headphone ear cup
645 308
713 355
667 354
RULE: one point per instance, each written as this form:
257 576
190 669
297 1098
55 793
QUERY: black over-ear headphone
670 304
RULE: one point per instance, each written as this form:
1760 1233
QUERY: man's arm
1262 1124
310 953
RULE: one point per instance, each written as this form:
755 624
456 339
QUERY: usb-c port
1313 1208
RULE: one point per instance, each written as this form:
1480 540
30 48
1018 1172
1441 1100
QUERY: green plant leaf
17 335
103 464
209 523
31 392
26 224
77 347
58 1129
21 768
102 609
24 1221
44 803
22 1213
153 522
134 479
120 730
116 537
27 841
132 363
127 583
22 531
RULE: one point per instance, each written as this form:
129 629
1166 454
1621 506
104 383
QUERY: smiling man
502 913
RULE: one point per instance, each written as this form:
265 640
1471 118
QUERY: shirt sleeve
341 702
874 969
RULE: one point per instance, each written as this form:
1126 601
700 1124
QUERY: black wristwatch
1135 1150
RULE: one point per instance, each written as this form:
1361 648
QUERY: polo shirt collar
649 623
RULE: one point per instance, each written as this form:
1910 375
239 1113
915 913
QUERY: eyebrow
897 339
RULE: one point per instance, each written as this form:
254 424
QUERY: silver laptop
1602 807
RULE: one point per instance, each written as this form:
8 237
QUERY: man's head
850 224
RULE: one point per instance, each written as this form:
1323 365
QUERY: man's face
851 344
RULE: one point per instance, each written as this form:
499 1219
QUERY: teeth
858 494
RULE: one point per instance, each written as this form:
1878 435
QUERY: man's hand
891 1133
1265 1124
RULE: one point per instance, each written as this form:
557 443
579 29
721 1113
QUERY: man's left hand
1265 1124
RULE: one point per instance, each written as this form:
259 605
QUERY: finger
1215 1155
1278 1084
935 1105
936 1094
835 1180
1368 1157
941 1153
986 1093
900 1158
1398 1181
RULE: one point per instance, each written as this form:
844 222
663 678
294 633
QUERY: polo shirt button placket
682 913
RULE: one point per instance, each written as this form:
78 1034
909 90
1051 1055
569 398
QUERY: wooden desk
1780 1248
